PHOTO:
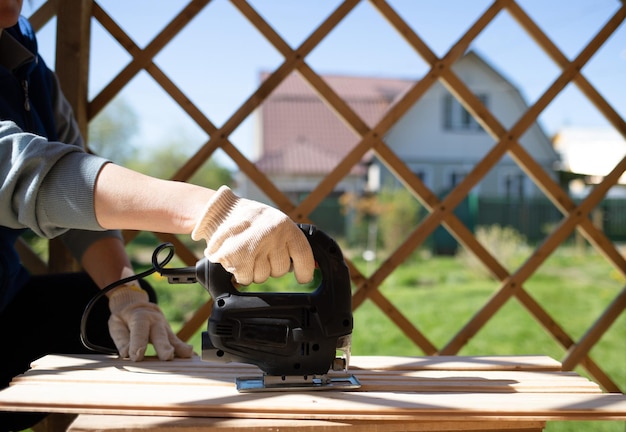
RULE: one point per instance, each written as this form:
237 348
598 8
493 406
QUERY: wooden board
451 363
393 388
95 423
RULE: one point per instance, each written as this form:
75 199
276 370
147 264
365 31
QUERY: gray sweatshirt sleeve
45 186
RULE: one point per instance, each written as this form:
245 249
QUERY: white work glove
135 322
253 241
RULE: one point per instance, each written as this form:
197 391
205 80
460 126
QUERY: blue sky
217 60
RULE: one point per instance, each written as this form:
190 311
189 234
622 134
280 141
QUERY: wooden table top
530 388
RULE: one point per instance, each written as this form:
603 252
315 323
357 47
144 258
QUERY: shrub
506 244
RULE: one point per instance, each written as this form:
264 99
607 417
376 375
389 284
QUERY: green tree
394 211
111 131
400 217
164 160
110 136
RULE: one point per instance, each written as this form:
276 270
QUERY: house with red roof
300 139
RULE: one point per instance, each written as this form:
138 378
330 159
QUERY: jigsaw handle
328 258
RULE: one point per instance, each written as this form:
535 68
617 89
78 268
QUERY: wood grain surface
393 388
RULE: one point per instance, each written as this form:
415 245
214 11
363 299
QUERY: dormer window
457 118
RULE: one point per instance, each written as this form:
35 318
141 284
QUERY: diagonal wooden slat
551 49
43 15
562 201
291 61
219 138
565 340
512 286
197 321
531 114
325 91
183 101
438 68
371 137
161 78
403 323
400 254
143 57
579 350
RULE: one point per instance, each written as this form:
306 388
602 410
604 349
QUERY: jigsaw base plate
297 383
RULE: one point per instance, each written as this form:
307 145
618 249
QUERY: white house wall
419 138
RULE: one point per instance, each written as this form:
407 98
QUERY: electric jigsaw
293 337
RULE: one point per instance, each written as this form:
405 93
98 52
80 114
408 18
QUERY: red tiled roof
301 135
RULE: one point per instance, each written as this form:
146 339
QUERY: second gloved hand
253 241
135 322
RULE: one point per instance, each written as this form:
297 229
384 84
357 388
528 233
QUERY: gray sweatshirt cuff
77 241
66 197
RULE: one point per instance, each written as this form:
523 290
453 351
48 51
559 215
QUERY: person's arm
106 261
249 239
126 199
51 187
134 322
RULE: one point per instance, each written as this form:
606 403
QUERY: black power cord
175 275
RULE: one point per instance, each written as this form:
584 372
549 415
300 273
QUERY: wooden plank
527 362
214 401
424 374
422 381
92 423
451 363
398 389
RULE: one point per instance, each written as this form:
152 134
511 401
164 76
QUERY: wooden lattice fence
73 50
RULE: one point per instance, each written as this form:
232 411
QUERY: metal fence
535 218
532 218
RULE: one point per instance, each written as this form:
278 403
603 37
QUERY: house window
420 174
456 178
515 186
424 174
457 118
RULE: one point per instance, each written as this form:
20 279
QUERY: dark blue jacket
25 98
